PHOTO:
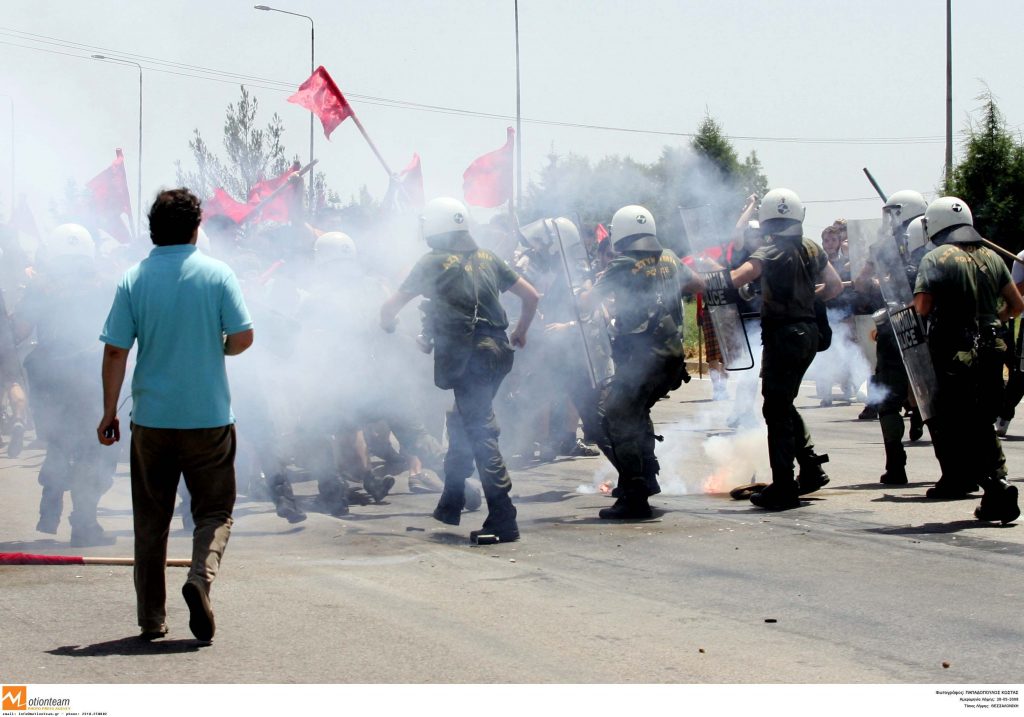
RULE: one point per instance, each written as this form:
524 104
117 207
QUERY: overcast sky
805 69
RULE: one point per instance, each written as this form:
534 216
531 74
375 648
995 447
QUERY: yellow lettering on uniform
449 262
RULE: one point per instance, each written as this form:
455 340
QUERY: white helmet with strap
71 240
782 213
333 247
946 213
633 229
903 206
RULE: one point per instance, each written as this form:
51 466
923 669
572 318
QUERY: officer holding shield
790 268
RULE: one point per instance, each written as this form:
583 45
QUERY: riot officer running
958 289
790 268
471 355
646 282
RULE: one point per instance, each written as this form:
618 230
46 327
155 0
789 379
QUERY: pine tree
990 177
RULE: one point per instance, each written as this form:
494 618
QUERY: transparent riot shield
593 326
720 303
894 282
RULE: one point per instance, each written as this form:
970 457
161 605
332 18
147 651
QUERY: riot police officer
63 305
472 355
893 254
958 289
646 282
790 268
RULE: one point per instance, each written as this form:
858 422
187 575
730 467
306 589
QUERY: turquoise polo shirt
178 304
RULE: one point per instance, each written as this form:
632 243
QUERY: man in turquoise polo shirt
186 312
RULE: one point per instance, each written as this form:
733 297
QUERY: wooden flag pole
380 157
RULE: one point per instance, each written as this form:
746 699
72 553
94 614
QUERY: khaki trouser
206 458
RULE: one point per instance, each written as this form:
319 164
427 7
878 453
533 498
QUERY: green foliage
990 177
706 176
252 154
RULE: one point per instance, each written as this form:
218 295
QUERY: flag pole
519 127
369 141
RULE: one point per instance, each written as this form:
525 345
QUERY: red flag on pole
278 209
223 204
412 182
600 234
487 182
111 199
322 97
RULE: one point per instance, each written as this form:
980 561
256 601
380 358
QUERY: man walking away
186 311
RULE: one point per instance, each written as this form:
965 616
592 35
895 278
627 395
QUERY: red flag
322 97
412 182
487 182
110 199
223 204
278 209
600 234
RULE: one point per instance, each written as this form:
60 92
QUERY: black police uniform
647 351
791 267
472 356
64 304
965 281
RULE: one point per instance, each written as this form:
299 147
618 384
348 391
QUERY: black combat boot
333 496
450 505
951 489
778 496
378 488
916 425
500 524
999 504
51 506
284 499
812 475
631 506
895 465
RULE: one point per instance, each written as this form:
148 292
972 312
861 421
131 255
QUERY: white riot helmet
543 234
333 247
71 240
915 235
632 229
903 206
946 213
781 213
442 220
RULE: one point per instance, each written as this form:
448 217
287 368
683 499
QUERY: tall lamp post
13 194
312 68
138 193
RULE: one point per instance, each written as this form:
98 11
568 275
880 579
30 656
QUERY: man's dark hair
174 217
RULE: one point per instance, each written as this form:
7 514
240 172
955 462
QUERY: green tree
252 154
990 177
706 177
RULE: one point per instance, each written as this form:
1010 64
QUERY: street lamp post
138 193
312 68
13 194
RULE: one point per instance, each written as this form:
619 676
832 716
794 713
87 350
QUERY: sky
818 89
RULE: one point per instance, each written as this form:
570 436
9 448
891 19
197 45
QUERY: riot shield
593 326
894 282
720 303
720 298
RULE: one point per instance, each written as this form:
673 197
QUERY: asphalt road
863 584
